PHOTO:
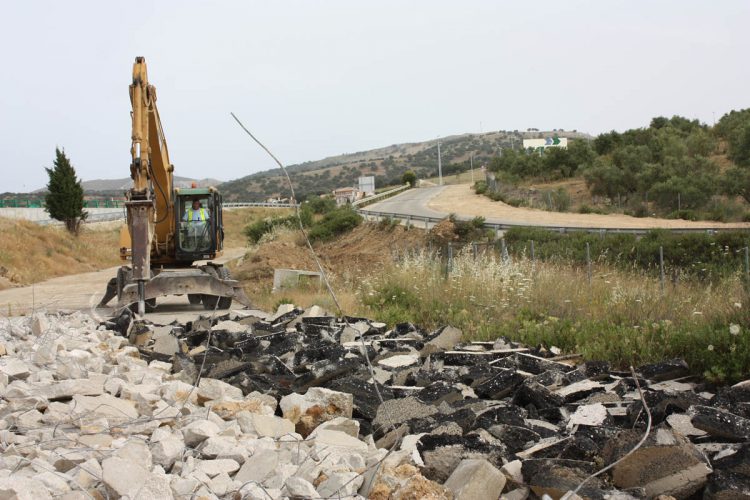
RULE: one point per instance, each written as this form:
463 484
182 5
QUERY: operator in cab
196 212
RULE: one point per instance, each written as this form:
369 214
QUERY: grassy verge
30 253
621 316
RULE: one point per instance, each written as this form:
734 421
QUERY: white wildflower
734 329
710 347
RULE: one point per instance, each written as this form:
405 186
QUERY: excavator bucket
193 281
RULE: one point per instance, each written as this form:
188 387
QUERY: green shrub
478 222
700 254
683 214
334 223
255 231
320 205
585 209
480 187
560 200
388 223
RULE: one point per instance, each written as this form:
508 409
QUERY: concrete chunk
592 415
213 468
444 340
476 479
23 488
316 406
123 477
340 484
399 361
105 405
265 425
258 467
667 463
198 431
296 487
210 389
15 369
68 388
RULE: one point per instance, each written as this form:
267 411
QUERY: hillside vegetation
675 167
386 164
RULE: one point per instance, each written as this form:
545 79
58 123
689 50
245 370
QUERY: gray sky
314 79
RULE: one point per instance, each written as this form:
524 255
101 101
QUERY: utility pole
471 163
440 165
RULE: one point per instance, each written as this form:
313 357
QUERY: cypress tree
64 198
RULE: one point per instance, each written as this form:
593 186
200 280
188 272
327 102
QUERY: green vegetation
620 316
334 223
64 198
694 254
670 166
409 177
256 230
320 216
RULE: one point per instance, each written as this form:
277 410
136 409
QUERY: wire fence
667 269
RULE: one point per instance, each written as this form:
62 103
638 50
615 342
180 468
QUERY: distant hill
118 186
387 164
127 183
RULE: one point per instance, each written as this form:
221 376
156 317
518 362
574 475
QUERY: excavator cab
200 233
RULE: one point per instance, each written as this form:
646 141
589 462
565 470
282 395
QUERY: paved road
411 202
84 291
440 201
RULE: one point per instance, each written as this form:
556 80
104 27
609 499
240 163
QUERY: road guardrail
498 227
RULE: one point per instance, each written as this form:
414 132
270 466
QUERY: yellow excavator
168 229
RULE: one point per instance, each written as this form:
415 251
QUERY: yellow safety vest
201 212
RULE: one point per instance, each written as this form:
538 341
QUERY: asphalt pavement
411 202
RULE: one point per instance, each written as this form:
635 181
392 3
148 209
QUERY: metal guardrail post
450 258
661 269
588 262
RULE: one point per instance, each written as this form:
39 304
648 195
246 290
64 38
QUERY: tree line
673 163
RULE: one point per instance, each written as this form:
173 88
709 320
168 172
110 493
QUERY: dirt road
461 199
83 292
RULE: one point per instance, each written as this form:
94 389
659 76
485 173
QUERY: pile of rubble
301 404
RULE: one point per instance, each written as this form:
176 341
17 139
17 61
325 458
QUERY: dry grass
621 317
313 295
30 253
